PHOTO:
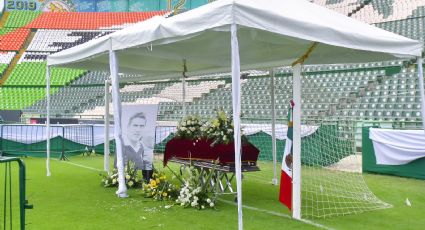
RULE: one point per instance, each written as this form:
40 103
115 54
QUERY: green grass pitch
72 198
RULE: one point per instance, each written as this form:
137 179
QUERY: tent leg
106 130
116 100
236 99
273 100
48 120
421 89
184 95
296 164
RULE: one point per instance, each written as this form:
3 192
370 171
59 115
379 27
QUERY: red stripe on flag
285 195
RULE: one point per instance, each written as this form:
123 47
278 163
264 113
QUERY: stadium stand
380 11
16 98
369 91
89 21
58 40
33 57
18 19
376 11
53 32
5 59
72 98
346 90
167 95
34 73
13 39
344 7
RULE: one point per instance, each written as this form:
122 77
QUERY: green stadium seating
3 68
16 98
34 73
19 18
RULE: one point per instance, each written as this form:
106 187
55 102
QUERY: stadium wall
102 5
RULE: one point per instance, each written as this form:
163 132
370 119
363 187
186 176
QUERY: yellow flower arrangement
153 183
219 129
159 188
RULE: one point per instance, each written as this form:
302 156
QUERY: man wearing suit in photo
138 145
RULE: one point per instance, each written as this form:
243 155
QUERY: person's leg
147 175
147 167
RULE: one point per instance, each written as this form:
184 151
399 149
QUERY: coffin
196 150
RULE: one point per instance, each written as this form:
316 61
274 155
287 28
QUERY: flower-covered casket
203 149
208 141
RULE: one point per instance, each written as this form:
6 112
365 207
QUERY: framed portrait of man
138 124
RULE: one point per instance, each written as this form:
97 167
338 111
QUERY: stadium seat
13 39
89 20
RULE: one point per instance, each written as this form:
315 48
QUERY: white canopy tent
237 35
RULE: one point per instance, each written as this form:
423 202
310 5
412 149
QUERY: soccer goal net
331 179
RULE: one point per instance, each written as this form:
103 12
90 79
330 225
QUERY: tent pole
184 96
106 141
48 120
236 99
184 87
296 164
272 93
421 89
116 102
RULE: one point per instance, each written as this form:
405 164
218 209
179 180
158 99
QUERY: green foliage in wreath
219 129
194 193
132 179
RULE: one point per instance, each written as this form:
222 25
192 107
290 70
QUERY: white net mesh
331 179
332 183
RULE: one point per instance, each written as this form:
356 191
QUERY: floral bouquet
189 128
194 193
159 188
219 129
132 180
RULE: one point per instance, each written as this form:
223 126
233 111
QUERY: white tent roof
271 33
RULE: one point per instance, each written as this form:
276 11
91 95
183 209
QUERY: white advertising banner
397 147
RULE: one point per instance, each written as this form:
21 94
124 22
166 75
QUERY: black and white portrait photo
138 131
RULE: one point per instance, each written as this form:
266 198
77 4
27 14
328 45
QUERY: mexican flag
285 195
